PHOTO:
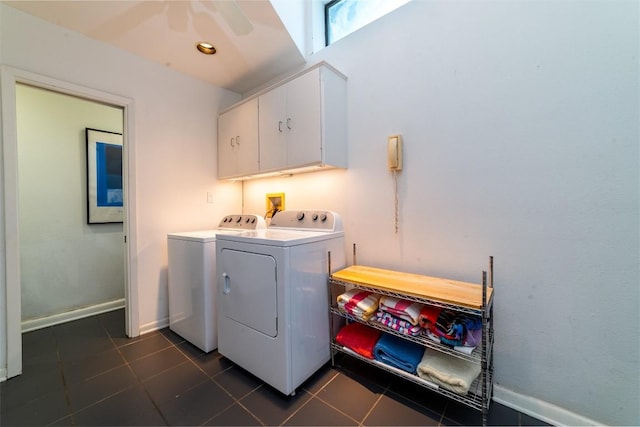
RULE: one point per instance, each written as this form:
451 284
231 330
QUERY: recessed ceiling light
206 48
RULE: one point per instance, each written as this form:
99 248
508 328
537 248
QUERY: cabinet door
304 134
246 144
238 141
226 136
273 129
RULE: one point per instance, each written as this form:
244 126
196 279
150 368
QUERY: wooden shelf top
433 288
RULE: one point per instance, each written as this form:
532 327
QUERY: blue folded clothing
399 353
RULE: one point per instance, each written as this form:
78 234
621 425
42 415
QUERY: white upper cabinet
302 126
290 120
238 153
272 124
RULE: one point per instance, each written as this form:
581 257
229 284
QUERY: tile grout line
138 380
374 405
388 391
212 379
229 406
67 398
316 395
309 400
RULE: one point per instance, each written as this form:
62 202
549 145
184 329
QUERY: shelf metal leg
331 327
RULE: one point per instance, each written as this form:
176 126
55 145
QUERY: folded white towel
447 371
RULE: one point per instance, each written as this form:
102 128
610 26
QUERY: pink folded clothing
360 304
397 324
403 309
359 338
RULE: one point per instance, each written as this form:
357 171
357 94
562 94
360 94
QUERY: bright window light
343 17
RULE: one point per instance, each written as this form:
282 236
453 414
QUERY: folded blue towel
399 353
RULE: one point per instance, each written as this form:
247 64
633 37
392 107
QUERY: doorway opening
14 82
71 266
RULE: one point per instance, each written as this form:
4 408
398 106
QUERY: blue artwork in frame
104 177
109 174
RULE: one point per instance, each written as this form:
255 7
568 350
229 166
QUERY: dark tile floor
88 373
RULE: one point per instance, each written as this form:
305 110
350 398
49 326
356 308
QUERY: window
343 17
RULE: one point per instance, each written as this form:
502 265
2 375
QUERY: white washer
192 279
273 316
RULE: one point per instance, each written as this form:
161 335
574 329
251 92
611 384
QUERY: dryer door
247 292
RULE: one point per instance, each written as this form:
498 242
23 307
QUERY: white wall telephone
394 152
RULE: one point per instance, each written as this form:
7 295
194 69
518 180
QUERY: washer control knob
300 216
314 216
248 220
253 220
239 219
323 217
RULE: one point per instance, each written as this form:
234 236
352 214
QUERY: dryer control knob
314 216
239 219
323 217
300 216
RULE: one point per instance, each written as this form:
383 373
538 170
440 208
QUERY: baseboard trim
56 319
154 326
540 409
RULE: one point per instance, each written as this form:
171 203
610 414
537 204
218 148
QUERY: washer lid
203 235
196 236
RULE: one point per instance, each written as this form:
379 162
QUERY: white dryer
273 296
192 279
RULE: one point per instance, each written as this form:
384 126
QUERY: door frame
11 337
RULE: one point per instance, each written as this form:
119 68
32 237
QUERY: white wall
174 135
521 133
65 263
520 122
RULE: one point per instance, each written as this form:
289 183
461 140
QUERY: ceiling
253 46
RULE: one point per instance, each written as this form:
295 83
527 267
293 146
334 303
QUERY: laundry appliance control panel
242 222
313 220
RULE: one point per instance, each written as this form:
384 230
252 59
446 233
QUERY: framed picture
104 177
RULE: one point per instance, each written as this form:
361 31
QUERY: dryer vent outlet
275 203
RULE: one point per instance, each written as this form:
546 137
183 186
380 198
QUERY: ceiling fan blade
178 15
127 20
233 15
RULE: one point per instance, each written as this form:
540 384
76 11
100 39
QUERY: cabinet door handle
280 126
238 140
232 142
289 123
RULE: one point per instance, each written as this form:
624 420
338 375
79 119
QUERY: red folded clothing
359 338
428 317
